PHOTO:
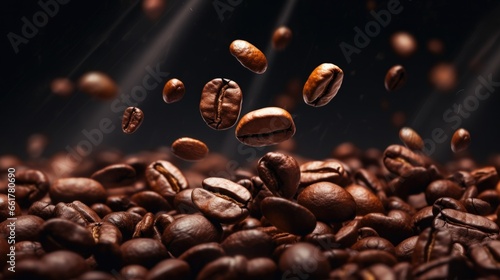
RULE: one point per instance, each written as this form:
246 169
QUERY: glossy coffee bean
404 250
183 202
85 190
249 56
189 149
190 231
442 188
76 212
322 85
60 234
143 251
107 238
401 160
304 260
98 85
261 268
200 255
31 185
132 119
252 243
411 138
165 179
395 78
486 257
280 173
322 171
328 202
150 201
169 269
231 268
25 227
264 127
395 226
374 243
403 43
288 216
173 90
124 221
220 103
281 38
431 245
63 265
460 140
115 175
366 201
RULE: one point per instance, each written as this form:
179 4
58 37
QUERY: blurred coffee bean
60 234
98 85
85 190
403 43
143 251
288 216
173 269
61 86
31 185
460 140
189 149
443 77
281 38
252 243
395 78
442 188
304 260
411 138
173 91
249 56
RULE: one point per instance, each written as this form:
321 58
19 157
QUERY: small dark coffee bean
220 103
304 260
249 56
25 249
261 268
190 231
264 127
189 149
174 269
432 244
442 188
24 228
348 234
423 218
63 265
321 171
146 228
460 140
280 173
370 257
395 78
119 202
183 202
447 203
200 255
477 206
395 227
31 185
486 257
132 119
107 238
322 85
133 272
374 243
404 250
328 202
85 190
115 175
173 90
101 209
400 160
252 243
403 43
411 139
60 234
76 212
366 201
41 209
151 201
336 257
166 179
143 251
231 268
98 85
281 38
124 221
288 216
396 203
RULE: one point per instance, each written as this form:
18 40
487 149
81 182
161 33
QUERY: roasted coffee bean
395 227
146 228
166 179
60 234
76 212
378 272
328 202
261 268
143 251
400 160
460 140
132 119
25 249
447 203
230 268
442 188
151 201
280 237
491 197
249 56
31 185
98 85
173 90
486 178
374 243
370 257
404 250
322 85
220 103
133 272
101 209
119 202
365 232
395 79
189 149
169 269
366 201
115 175
411 138
423 219
63 265
85 190
248 223
336 257
280 173
449 267
183 202
348 234
5 203
96 275
41 209
124 221
403 43
321 171
305 261
264 127
486 257
412 182
346 271
466 229
431 245
107 238
252 243
200 255
368 179
288 216
281 38
24 228
396 203
190 231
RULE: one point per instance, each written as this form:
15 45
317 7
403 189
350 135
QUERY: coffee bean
4 208
146 228
85 190
366 201
328 202
460 140
252 243
264 127
411 138
443 76
370 257
63 265
76 212
249 56
288 216
450 267
115 175
143 251
280 173
322 171
486 257
374 243
133 272
423 219
403 43
107 238
442 188
166 179
151 201
395 227
119 202
477 206
281 38
322 85
261 268
189 149
26 227
98 85
124 221
169 269
395 79
173 90
220 103
431 245
200 255
231 268
485 178
222 200
25 249
404 250
190 231
305 261
400 160
60 234
132 119
101 209
31 185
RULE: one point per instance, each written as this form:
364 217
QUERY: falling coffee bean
395 78
249 56
189 149
411 138
99 85
173 91
323 84
220 103
460 140
281 38
132 119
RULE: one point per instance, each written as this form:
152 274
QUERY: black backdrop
190 41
